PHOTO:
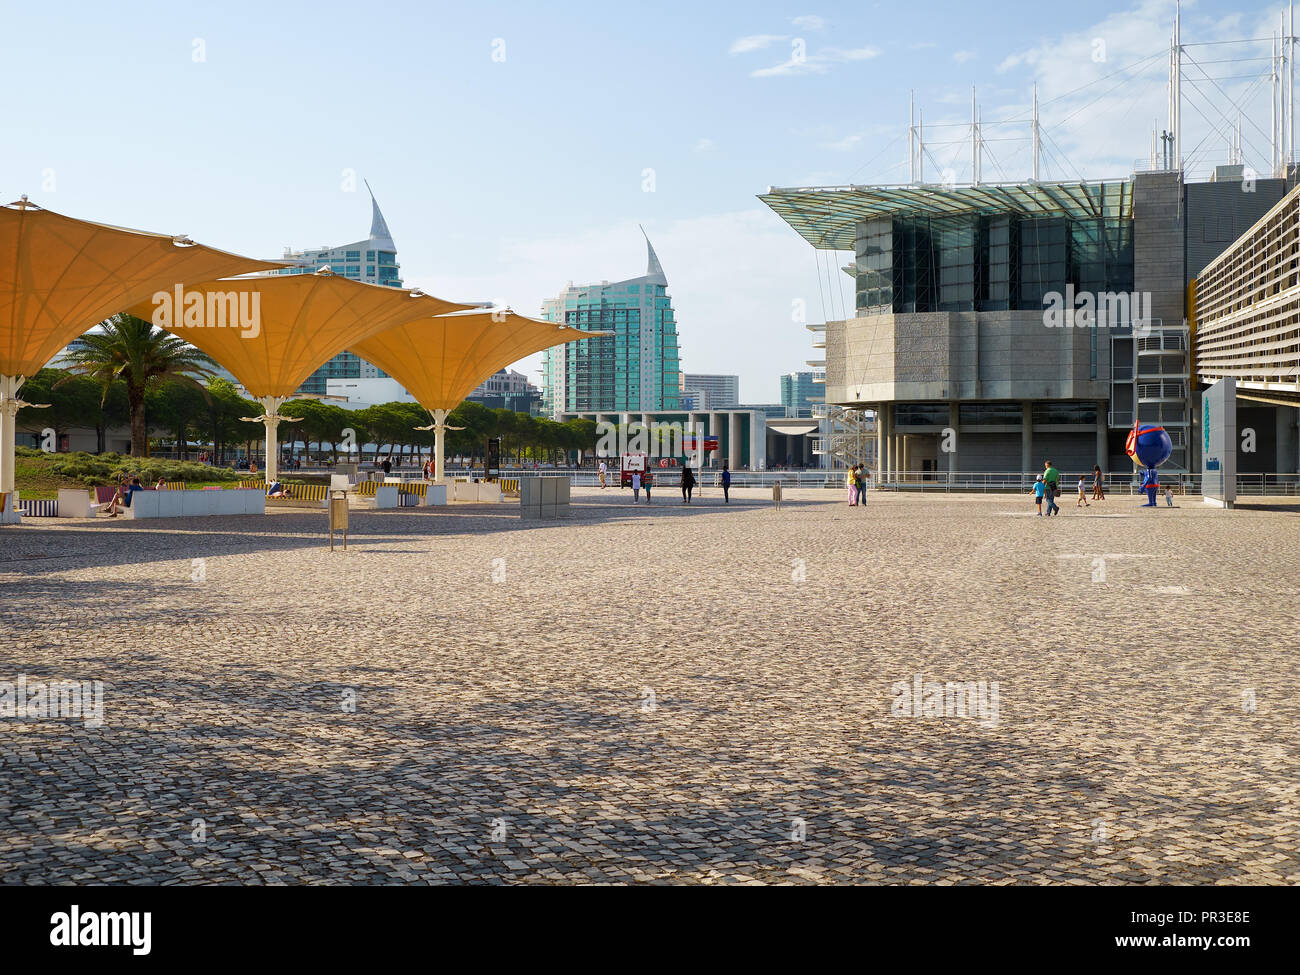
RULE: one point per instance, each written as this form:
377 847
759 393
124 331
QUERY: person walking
600 472
646 478
1098 492
726 482
1052 484
861 480
851 482
636 487
1083 497
688 484
387 465
776 494
1040 489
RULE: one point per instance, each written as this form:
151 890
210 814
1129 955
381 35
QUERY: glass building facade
799 391
634 368
917 262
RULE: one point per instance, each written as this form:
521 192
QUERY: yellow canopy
273 331
441 360
60 276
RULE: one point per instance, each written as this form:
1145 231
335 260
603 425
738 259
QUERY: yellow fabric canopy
60 276
441 360
301 322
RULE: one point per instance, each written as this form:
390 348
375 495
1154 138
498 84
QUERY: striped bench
173 485
48 508
306 492
367 488
415 489
509 485
253 484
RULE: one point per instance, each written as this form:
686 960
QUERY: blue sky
505 179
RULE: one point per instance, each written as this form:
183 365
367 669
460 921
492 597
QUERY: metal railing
1181 482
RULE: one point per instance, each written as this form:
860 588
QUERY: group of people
644 479
856 477
1047 487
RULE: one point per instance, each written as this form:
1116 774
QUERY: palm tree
142 356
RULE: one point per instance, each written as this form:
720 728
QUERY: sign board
1219 444
492 463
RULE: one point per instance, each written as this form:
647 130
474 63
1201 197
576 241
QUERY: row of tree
129 373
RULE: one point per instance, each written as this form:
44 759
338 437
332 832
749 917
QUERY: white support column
1029 470
271 419
1103 437
439 445
882 454
733 440
10 404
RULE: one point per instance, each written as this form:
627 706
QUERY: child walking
1083 497
1040 489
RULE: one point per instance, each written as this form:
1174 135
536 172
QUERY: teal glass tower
634 369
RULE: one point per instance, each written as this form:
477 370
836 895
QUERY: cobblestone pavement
664 694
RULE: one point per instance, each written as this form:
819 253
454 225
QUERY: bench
300 496
509 486
38 509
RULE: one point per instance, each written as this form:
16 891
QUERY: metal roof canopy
827 216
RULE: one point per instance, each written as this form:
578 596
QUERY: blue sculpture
1149 447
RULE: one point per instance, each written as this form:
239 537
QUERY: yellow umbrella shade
441 360
60 276
273 331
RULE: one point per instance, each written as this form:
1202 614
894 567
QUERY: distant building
509 390
800 391
720 392
634 368
373 260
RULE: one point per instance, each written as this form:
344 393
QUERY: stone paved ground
662 694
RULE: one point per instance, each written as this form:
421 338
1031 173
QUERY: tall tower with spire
374 260
637 368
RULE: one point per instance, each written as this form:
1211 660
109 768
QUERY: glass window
1065 411
988 414
921 414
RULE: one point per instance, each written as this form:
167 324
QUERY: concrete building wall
997 355
1158 238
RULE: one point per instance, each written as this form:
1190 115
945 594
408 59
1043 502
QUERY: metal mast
1036 142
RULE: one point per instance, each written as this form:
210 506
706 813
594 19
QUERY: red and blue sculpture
1149 447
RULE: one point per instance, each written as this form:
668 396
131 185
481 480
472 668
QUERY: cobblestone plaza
668 694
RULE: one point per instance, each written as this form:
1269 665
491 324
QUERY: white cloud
704 145
809 22
961 57
818 63
754 42
845 144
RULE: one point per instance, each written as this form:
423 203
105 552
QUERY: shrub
106 469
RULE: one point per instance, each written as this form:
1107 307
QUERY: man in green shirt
1052 478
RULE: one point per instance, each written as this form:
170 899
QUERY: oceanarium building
1000 325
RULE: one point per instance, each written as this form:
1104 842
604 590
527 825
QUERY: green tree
142 356
225 407
177 408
